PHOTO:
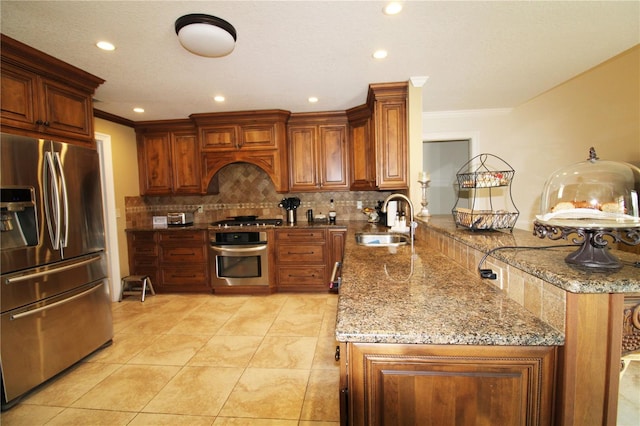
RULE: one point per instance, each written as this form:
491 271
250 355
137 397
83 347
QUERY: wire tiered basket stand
486 177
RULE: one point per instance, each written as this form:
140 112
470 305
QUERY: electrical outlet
359 204
200 209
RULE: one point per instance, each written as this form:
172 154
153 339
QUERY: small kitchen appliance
179 218
291 205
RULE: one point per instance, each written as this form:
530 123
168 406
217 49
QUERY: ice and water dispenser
18 219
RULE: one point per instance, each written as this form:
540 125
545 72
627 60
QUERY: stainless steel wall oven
239 258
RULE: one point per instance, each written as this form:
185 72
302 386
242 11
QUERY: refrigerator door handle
51 200
55 304
26 277
65 200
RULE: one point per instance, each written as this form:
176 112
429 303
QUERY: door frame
103 145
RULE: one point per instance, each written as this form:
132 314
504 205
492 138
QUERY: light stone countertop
391 296
548 265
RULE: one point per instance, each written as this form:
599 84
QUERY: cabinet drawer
182 236
301 253
301 275
312 235
183 254
141 262
149 250
193 274
143 237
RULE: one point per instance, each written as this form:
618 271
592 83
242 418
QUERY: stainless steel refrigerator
55 302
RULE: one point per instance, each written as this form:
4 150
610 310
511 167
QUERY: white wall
599 108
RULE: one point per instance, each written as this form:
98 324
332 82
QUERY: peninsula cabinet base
440 385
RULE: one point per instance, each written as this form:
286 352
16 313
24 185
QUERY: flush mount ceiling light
105 45
392 8
380 54
206 35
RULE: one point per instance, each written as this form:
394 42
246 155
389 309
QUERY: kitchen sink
382 239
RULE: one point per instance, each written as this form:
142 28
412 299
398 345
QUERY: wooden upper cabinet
45 97
154 163
168 158
378 139
243 130
303 168
390 126
318 152
186 162
362 152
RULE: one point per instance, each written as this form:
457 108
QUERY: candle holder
424 212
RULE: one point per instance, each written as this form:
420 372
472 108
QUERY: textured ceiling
476 54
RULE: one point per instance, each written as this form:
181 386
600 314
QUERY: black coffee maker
291 205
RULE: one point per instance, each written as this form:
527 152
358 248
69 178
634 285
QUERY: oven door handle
240 250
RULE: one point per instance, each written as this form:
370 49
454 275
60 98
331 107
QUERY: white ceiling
478 54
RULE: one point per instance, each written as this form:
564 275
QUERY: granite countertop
548 265
394 296
194 227
206 226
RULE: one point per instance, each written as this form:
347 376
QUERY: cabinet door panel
333 157
186 163
257 136
219 137
362 156
67 110
154 164
392 149
18 94
451 385
302 158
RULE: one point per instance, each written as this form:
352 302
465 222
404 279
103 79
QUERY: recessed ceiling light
380 54
105 45
313 99
218 98
138 109
392 8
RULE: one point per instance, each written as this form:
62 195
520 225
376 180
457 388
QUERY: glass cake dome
593 194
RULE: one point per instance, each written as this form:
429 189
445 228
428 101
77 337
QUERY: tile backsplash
245 189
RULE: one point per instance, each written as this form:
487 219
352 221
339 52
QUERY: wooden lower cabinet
304 258
404 384
176 261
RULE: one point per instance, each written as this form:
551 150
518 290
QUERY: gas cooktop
246 221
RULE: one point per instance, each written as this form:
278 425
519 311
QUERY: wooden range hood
256 137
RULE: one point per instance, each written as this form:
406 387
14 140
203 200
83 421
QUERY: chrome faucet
412 224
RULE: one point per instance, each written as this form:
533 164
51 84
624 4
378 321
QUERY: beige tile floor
215 360
201 360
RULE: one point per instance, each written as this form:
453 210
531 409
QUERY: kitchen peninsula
422 336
